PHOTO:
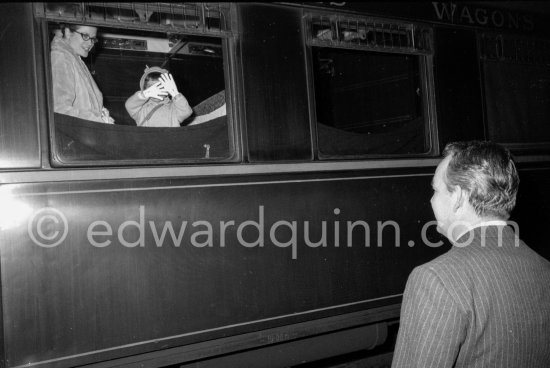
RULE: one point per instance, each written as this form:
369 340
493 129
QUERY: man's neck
467 226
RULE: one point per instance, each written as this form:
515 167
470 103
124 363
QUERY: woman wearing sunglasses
75 92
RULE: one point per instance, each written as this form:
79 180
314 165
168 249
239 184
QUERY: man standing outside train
486 302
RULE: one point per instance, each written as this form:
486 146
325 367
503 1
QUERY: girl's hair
153 76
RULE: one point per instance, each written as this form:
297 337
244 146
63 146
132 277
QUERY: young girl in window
151 106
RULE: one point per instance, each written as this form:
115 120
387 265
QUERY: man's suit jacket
484 304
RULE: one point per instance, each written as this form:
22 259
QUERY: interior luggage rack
211 18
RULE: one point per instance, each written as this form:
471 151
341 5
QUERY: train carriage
280 231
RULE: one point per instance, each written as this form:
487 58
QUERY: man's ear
459 198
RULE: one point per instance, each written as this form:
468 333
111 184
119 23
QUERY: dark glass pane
79 140
368 103
518 102
517 89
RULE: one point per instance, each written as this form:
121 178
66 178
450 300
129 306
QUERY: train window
371 86
516 74
188 40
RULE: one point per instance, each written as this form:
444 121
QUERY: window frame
228 46
426 77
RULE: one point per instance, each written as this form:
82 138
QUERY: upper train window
371 82
516 76
139 82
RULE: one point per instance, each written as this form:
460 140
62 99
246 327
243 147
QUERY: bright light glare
13 211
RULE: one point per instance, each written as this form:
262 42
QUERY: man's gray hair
486 171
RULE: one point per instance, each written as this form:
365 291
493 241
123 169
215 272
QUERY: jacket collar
60 44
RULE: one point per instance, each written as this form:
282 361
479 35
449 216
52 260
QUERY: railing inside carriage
209 18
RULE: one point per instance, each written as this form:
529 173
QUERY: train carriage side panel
276 100
19 133
458 85
101 270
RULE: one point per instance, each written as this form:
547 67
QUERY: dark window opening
369 103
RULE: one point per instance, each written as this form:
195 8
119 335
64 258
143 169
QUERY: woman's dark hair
72 27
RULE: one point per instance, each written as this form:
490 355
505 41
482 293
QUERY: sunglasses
86 37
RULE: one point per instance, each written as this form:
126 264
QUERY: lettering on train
478 16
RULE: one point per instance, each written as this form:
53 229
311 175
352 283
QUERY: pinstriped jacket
486 304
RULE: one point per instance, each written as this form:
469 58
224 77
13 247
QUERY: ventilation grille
369 33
